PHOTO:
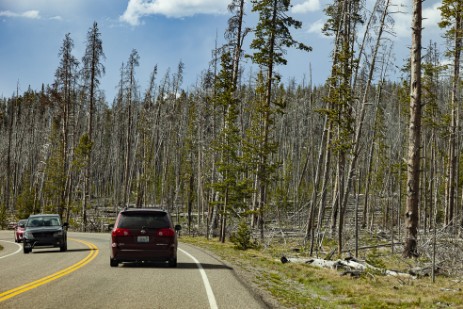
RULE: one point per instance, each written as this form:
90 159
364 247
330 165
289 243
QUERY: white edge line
210 293
17 251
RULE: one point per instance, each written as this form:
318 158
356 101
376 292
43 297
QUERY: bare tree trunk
313 201
65 140
87 192
238 45
128 142
434 203
414 138
326 177
360 122
9 149
452 154
366 200
133 61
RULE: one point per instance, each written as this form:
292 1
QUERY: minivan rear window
131 220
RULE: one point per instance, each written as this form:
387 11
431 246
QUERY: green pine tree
232 187
272 36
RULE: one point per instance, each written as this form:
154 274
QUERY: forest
357 160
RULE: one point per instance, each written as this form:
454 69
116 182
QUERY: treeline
240 149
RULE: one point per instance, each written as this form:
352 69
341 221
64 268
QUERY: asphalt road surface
82 278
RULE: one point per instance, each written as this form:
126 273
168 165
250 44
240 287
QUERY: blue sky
164 32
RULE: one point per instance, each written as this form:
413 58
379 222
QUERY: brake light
120 232
166 232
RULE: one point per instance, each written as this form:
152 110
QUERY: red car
144 235
19 230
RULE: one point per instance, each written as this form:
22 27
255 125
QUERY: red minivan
144 235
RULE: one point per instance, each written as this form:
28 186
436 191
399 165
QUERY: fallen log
425 271
349 265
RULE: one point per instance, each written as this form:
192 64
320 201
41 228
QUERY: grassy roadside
295 285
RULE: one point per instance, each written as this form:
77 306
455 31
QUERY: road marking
207 285
17 251
32 285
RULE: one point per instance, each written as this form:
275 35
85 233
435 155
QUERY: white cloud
306 6
432 16
41 5
171 8
58 9
316 27
403 19
32 14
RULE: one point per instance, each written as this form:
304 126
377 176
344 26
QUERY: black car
45 230
144 235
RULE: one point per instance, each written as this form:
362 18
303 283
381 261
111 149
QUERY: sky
164 32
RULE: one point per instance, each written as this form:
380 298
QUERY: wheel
26 250
64 247
113 263
173 262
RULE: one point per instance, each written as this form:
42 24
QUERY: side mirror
178 227
110 227
65 224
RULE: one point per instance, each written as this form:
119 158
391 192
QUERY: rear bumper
159 255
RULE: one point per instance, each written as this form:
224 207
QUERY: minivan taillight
120 232
167 232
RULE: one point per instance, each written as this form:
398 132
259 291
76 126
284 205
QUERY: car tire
64 247
173 262
26 250
113 263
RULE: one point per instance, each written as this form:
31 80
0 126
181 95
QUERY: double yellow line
32 285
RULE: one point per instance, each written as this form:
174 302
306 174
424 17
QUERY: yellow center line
32 285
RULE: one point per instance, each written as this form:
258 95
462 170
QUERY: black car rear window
133 220
43 221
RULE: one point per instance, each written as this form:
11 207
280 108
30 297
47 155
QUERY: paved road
82 278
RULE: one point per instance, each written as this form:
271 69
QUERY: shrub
242 238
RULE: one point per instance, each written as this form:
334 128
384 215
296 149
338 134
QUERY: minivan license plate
143 238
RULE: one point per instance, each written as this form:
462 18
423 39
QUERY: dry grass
295 285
